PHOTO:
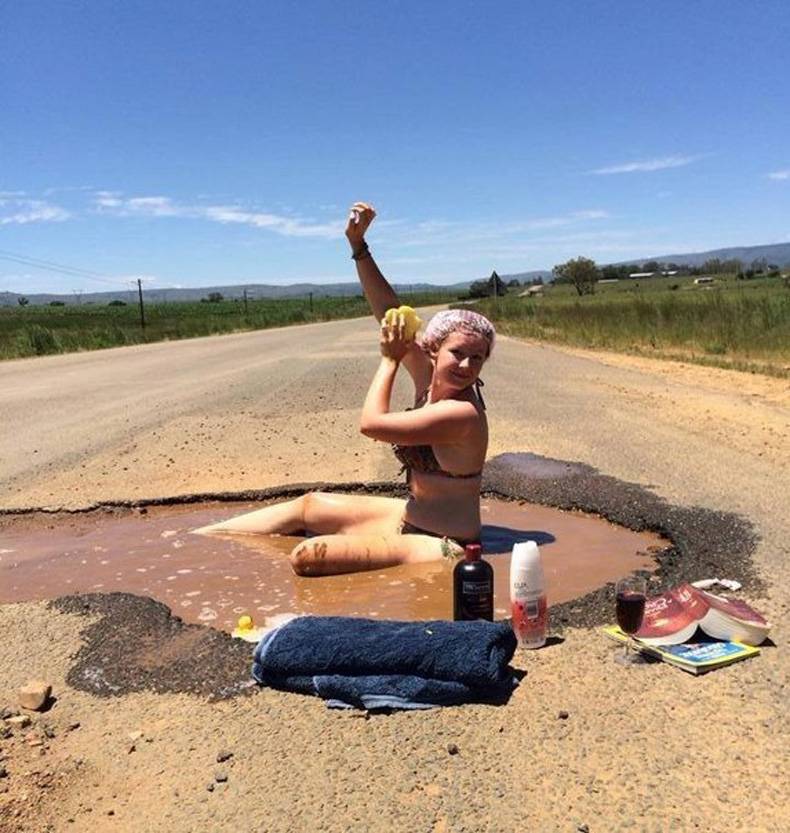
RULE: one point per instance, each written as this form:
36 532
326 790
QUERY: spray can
528 595
473 586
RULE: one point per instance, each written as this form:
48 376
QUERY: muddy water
214 580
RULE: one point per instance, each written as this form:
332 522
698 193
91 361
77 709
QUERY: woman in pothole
441 442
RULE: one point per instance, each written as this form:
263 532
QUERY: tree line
583 273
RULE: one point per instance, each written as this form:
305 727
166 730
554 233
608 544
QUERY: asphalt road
281 406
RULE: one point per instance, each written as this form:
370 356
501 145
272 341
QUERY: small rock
210 787
47 730
7 712
111 812
563 715
3 772
224 755
220 777
131 747
33 740
18 721
5 732
134 736
34 695
582 828
452 748
73 726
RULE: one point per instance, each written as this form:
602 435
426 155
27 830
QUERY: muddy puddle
211 580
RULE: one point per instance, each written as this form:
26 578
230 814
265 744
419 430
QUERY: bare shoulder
459 411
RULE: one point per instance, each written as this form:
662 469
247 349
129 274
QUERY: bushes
739 324
37 341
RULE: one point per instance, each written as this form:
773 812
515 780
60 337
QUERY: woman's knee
315 507
309 558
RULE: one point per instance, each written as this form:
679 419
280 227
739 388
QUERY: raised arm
378 292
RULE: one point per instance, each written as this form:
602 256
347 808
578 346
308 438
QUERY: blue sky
197 143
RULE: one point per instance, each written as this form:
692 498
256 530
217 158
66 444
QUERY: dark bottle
473 586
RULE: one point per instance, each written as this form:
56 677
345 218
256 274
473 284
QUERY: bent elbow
367 428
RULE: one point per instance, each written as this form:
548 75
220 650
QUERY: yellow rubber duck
245 629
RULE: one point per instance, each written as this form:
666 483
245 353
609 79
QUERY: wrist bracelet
362 252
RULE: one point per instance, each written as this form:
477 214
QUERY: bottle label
475 587
530 618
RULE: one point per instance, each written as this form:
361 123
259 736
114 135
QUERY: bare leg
318 512
328 555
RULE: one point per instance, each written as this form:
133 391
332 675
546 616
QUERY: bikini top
422 457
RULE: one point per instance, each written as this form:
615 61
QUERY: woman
441 442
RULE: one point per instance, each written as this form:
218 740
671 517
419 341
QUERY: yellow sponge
411 320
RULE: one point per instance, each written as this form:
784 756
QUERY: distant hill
778 253
254 290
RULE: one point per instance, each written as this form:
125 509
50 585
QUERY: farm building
531 291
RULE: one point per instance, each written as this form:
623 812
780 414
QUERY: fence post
142 308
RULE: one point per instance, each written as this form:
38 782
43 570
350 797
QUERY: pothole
212 580
115 560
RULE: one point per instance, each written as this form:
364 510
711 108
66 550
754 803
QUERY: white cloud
438 232
658 164
110 202
779 175
18 211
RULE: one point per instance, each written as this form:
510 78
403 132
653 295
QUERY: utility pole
142 308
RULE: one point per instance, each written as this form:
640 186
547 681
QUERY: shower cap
452 320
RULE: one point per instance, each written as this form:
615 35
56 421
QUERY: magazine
673 617
697 657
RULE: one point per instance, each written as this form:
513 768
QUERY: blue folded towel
370 664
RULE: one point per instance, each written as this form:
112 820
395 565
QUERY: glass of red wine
631 595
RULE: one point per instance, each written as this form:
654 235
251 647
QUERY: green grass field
42 330
744 325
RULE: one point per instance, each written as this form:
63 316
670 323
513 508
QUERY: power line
52 266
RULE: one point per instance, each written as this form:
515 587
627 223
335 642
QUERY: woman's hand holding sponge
411 321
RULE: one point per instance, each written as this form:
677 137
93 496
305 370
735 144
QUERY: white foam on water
141 570
183 572
104 561
280 619
186 603
3 552
207 615
177 545
193 593
171 578
168 533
